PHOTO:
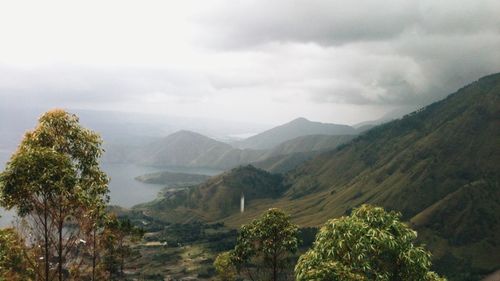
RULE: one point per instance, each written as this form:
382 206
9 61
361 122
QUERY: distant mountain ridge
296 128
190 149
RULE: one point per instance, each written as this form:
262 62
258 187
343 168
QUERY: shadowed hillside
218 197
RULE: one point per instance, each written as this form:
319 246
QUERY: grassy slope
218 197
439 167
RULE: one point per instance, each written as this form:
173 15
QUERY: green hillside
218 197
283 163
439 166
309 143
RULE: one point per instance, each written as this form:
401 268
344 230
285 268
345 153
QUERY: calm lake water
125 191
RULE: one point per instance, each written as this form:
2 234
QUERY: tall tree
50 180
371 244
264 246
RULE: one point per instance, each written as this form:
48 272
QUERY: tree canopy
370 244
51 180
264 246
224 267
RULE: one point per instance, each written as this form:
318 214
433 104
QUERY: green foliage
34 174
371 244
224 267
13 263
51 180
264 246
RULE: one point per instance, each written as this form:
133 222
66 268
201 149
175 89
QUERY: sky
248 61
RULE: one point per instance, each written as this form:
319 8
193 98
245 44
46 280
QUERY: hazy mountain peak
299 120
186 133
293 129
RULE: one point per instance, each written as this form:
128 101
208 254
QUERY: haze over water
125 191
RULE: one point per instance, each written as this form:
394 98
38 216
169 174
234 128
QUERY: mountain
309 143
190 149
284 163
290 154
389 116
439 166
296 128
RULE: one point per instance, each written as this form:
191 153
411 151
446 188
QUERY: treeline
54 183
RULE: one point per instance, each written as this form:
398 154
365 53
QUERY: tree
93 225
264 246
116 239
14 265
224 267
50 180
371 244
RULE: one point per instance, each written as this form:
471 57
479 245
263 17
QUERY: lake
124 190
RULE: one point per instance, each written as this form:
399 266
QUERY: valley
437 166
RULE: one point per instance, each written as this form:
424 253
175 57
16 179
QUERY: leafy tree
50 180
224 267
117 238
14 265
371 244
264 246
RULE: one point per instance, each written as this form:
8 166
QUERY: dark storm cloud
373 52
327 22
324 59
246 23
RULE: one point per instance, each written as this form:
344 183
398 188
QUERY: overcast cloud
254 61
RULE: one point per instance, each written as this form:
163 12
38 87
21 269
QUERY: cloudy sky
254 61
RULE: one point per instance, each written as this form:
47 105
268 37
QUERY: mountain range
439 166
296 128
190 149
